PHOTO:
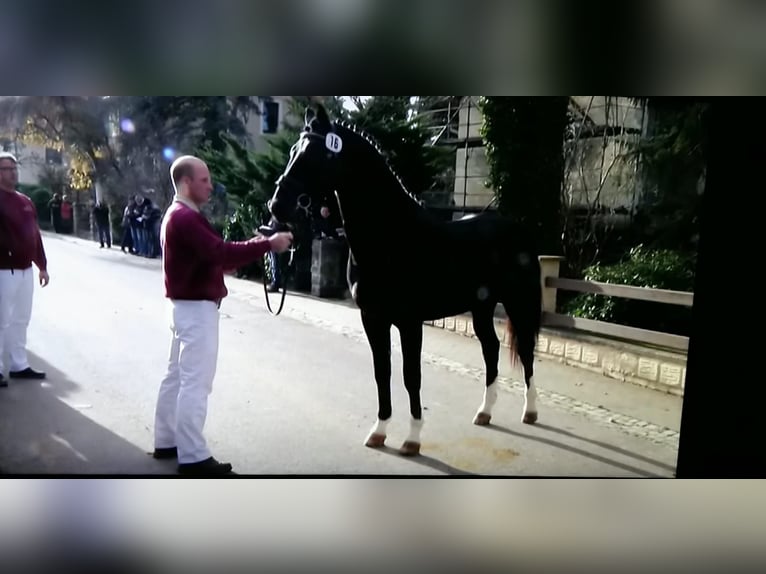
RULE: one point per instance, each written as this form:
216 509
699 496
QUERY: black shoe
209 467
3 382
27 373
165 453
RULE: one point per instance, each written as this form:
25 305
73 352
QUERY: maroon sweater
194 257
20 241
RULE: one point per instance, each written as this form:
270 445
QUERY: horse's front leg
379 336
412 345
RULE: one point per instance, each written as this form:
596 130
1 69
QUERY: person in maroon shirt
194 259
20 246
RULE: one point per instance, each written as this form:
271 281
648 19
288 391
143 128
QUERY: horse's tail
523 305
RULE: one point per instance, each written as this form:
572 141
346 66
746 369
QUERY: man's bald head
184 167
191 179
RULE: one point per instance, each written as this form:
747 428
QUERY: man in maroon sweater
20 246
194 261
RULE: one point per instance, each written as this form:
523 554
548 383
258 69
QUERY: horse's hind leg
412 345
527 356
524 327
483 325
379 336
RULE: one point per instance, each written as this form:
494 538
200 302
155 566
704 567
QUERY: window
53 156
270 118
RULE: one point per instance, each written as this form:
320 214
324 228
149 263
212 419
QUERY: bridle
304 203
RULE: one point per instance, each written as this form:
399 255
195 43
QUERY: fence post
549 267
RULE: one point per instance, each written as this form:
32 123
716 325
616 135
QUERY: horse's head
309 178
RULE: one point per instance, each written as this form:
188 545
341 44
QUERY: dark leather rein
268 231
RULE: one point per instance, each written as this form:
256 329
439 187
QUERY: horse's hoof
529 418
376 441
410 448
482 419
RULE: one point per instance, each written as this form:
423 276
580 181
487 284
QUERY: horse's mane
376 146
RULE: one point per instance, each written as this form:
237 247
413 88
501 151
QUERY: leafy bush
40 196
657 269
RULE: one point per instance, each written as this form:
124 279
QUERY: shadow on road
575 450
40 434
608 446
427 461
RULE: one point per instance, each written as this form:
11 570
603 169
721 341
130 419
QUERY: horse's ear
310 115
323 117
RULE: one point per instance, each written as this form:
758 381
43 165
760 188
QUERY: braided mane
376 146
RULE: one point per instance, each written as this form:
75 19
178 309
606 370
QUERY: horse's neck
378 213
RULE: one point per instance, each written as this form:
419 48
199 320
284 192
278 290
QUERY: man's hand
281 242
44 278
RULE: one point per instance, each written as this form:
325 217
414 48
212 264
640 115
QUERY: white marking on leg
380 428
490 398
530 403
415 427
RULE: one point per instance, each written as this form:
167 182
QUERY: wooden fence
551 283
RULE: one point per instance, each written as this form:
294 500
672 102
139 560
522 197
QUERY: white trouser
17 289
182 402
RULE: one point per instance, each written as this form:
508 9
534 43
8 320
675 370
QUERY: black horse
412 267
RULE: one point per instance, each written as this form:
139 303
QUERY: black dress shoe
165 453
209 467
3 382
27 373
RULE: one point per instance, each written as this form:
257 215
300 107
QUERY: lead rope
290 266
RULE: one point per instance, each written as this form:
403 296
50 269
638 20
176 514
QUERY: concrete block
590 355
573 351
557 347
648 369
450 323
542 344
609 364
628 363
670 374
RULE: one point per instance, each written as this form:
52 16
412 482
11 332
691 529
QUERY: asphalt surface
295 394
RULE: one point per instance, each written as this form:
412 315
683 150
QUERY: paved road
295 394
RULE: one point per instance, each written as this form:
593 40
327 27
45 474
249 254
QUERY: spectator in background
67 215
101 216
140 231
127 234
151 222
55 208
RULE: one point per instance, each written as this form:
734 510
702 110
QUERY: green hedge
40 196
657 269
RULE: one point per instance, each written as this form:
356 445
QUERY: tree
119 140
75 124
406 142
524 142
673 166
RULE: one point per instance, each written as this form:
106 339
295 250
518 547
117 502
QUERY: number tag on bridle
333 142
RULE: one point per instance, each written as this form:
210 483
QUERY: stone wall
623 361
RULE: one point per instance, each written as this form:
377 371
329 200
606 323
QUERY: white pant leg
16 335
196 325
167 401
8 286
16 289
